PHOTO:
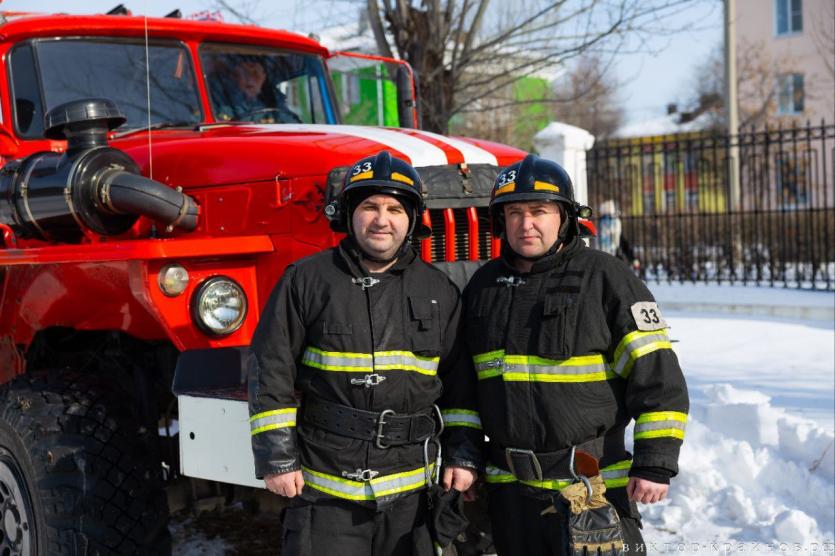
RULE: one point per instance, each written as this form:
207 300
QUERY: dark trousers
520 529
334 526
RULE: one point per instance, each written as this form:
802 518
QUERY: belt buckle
510 453
381 421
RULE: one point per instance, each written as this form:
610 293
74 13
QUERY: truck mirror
407 97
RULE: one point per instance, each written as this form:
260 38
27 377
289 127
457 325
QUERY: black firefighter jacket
324 332
571 351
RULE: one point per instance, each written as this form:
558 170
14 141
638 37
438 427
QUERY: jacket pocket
556 328
424 326
296 530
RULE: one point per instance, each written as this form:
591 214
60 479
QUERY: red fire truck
157 177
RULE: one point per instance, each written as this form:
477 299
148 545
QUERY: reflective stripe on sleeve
637 344
367 363
461 418
660 424
530 368
275 419
378 488
614 476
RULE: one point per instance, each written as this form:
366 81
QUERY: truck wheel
78 474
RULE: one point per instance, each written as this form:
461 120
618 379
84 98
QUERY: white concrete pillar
567 145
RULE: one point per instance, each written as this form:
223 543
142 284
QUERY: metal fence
686 222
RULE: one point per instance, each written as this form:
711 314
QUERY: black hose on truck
57 196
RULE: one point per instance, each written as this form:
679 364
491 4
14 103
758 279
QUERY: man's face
250 78
532 227
380 224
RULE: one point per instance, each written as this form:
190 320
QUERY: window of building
788 16
790 94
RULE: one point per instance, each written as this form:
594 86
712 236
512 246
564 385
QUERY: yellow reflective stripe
660 433
337 486
660 424
539 377
545 186
637 344
375 489
495 475
489 373
531 368
362 176
461 418
661 416
578 361
273 412
397 176
614 476
337 360
506 188
367 363
489 356
405 361
273 427
401 486
617 474
273 419
623 464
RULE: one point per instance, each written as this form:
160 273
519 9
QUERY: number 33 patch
647 316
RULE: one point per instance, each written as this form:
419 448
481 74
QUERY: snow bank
751 474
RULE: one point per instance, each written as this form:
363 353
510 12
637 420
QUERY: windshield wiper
158 125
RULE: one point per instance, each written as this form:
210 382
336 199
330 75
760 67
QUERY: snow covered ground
757 470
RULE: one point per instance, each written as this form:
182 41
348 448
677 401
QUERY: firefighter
568 347
365 336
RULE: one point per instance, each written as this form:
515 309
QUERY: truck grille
452 230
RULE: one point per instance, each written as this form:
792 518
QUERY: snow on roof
348 37
663 125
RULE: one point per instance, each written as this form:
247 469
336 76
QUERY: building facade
785 55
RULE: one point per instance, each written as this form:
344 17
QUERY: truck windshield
263 85
46 73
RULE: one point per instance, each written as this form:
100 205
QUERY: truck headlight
219 306
173 279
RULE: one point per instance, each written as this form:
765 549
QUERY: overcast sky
659 74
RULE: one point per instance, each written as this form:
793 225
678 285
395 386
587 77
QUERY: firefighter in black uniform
568 346
364 334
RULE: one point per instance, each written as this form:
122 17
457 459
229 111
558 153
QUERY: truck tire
76 472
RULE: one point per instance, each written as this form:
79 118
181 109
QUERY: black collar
352 255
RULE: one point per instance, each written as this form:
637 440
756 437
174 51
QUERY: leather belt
527 465
385 428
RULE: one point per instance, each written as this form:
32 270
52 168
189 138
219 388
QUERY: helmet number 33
359 168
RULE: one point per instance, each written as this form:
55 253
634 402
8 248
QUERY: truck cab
158 176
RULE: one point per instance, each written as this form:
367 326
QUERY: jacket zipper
367 292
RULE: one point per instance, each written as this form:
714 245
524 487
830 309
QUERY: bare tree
823 35
758 72
587 98
467 50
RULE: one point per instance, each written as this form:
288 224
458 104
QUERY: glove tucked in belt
385 428
592 524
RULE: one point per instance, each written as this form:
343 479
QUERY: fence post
567 145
